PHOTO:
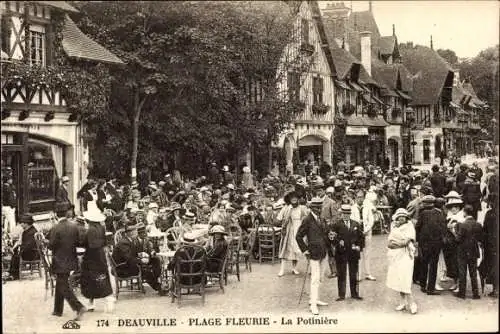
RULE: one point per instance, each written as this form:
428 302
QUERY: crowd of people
329 217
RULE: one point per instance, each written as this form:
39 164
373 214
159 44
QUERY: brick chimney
366 50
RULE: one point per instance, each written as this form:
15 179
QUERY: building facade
41 140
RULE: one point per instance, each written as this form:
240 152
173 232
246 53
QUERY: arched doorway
393 148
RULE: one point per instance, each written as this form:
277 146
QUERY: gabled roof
467 86
316 13
77 45
388 75
343 61
431 73
59 5
386 44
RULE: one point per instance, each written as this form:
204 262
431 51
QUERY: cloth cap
217 229
428 199
94 216
345 208
330 190
337 183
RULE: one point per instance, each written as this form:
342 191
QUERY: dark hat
26 219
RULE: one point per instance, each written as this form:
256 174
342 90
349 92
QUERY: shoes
332 275
439 287
476 297
453 287
370 278
320 303
80 314
456 290
295 272
314 309
459 295
493 294
280 274
340 299
357 297
433 293
401 307
413 308
424 290
57 314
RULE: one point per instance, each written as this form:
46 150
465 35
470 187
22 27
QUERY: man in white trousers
9 203
368 217
316 250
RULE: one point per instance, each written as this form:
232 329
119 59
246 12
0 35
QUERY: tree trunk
135 133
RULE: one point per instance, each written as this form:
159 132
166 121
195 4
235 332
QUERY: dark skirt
95 281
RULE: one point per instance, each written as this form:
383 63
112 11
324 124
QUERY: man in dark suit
471 193
64 238
438 182
348 239
316 249
469 238
430 230
25 248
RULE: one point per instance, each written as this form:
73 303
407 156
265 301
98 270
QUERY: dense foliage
182 97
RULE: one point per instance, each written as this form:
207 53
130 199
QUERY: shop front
365 140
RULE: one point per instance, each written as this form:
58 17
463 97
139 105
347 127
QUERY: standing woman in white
369 209
400 258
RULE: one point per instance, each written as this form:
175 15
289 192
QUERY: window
37 45
305 31
318 90
293 86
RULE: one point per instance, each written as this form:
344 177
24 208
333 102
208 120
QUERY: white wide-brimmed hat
454 201
153 205
225 168
401 212
94 216
452 194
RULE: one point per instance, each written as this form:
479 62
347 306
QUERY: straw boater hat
428 200
471 174
152 205
454 202
316 202
188 237
401 212
453 194
189 216
345 208
217 229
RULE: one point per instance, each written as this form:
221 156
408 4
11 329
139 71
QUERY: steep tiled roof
77 45
59 5
431 72
322 34
343 61
387 74
386 44
467 86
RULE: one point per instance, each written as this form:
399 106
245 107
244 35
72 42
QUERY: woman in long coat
95 280
291 217
401 256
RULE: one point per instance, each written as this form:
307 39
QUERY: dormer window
37 40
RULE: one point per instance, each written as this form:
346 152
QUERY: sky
466 27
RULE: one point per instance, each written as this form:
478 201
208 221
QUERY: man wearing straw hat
348 239
316 249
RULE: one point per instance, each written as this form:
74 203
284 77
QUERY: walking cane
304 282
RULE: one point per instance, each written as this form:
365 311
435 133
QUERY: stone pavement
260 293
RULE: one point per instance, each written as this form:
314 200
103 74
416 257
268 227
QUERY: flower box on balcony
320 108
307 48
348 109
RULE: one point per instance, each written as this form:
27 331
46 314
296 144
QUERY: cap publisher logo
71 324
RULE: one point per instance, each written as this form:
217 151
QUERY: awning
342 84
388 92
356 86
368 99
356 131
366 121
404 95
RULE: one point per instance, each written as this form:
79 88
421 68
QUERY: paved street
260 293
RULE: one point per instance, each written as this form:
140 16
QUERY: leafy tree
449 55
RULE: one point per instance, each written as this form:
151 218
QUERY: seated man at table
188 253
25 248
216 249
129 256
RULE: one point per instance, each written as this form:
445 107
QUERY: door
12 167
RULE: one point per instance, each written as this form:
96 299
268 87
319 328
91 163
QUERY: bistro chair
134 282
234 245
172 239
31 266
267 243
246 251
189 272
46 262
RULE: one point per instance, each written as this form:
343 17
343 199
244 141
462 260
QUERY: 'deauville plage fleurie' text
225 321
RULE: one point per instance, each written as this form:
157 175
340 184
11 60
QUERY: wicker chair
267 243
235 244
46 262
189 272
134 282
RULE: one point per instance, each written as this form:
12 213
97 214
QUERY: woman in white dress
291 217
400 257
